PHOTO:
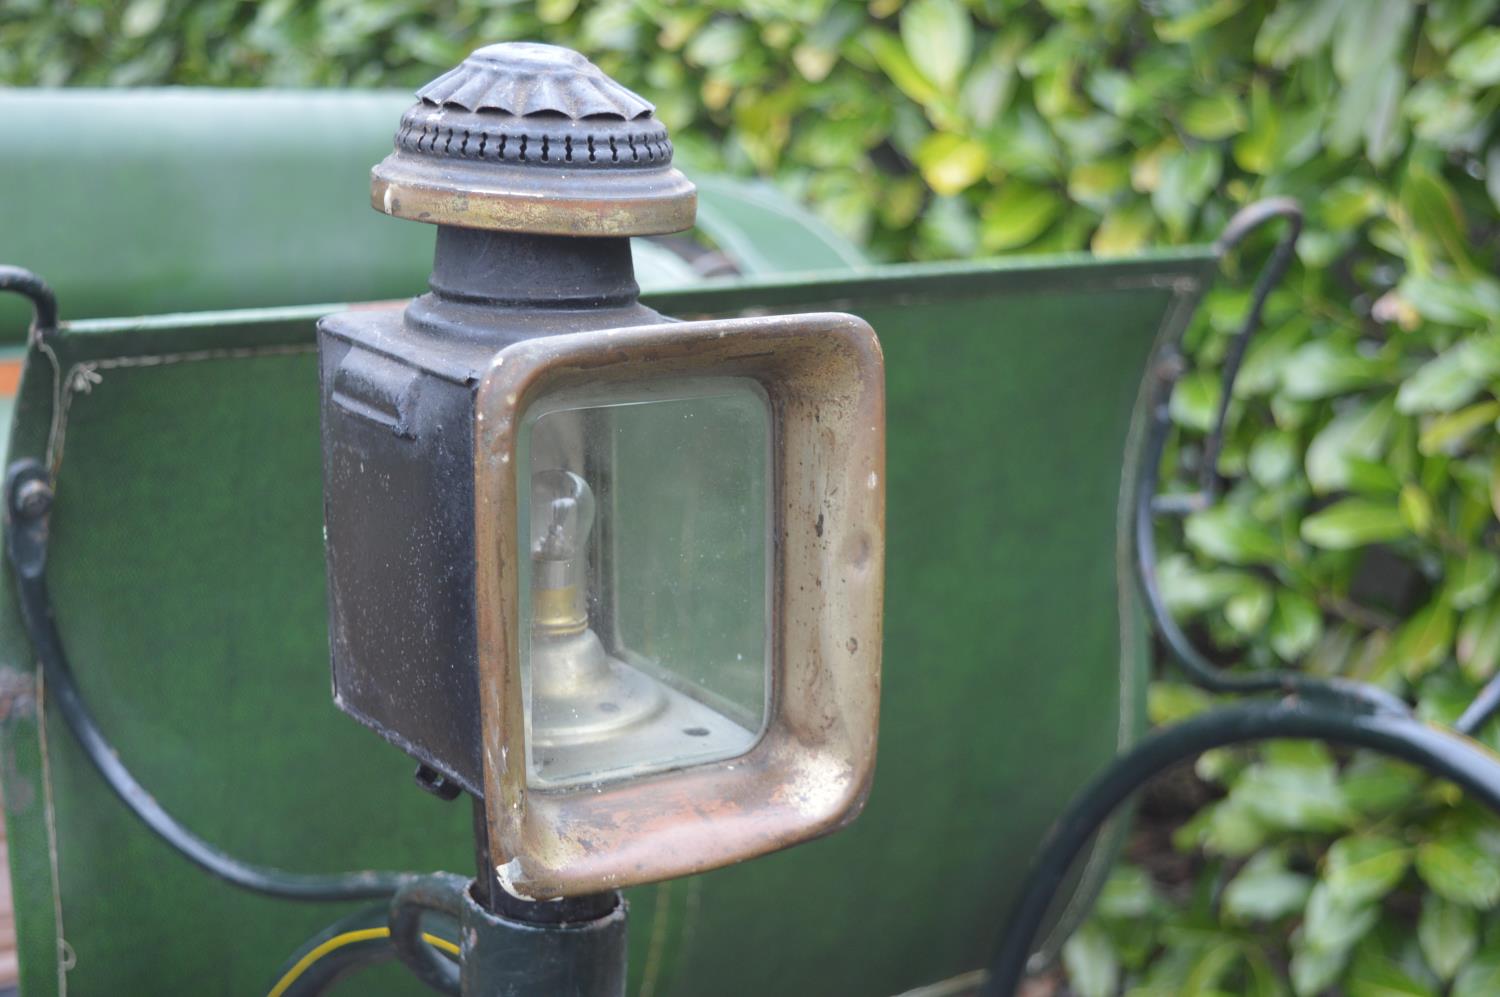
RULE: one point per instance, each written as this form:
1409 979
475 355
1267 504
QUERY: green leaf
1458 869
938 36
1264 890
1433 209
720 43
900 69
1093 968
1186 589
1326 367
1369 107
1124 230
1477 62
1273 458
1255 150
1451 21
1195 400
1213 118
1096 183
1249 610
1230 534
1334 923
951 163
1127 893
1350 203
1296 625
1295 29
1448 934
1210 968
1370 31
1364 868
1016 214
991 83
1415 506
1224 828
1353 522
1315 969
1452 301
1478 645
1375 785
1169 702
1452 378
1186 181
1423 641
1357 432
1292 798
1269 356
1188 26
1448 434
142 17
1480 978
1376 975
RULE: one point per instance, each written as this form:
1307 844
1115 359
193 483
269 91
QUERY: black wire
1442 753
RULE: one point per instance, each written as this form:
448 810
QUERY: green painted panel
188 578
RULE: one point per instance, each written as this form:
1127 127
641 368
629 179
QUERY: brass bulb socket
559 611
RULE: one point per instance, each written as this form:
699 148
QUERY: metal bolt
436 783
33 498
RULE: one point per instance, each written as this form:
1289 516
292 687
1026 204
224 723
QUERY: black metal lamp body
533 240
398 413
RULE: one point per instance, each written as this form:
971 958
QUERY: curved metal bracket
1240 227
1343 711
1149 503
21 281
1443 753
440 893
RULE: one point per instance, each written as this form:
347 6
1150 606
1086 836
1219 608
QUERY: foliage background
1358 535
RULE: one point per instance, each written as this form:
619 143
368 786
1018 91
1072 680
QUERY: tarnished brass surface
811 771
668 203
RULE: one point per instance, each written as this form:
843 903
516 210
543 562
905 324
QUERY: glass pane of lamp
646 637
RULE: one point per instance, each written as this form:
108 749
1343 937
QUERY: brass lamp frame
811 770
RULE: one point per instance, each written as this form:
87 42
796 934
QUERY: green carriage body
187 572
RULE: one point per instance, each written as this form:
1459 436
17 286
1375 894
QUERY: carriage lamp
618 576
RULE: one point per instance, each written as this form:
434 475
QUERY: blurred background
1358 536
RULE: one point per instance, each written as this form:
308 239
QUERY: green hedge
1358 534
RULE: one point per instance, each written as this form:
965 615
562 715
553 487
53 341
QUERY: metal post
567 948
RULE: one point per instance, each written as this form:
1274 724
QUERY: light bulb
579 694
562 516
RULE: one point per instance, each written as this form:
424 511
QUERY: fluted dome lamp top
533 138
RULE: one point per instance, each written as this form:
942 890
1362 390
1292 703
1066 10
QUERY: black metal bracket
1150 503
1342 711
1442 753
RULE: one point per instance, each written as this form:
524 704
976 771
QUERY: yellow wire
349 938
